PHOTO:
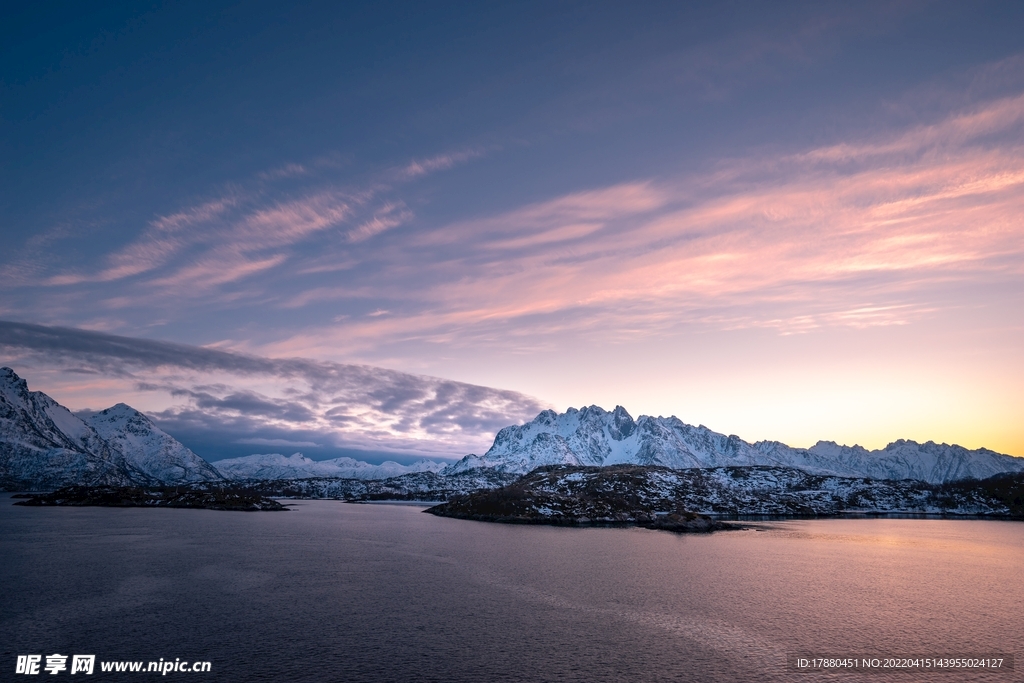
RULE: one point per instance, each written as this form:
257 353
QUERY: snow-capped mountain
594 436
297 466
43 445
149 448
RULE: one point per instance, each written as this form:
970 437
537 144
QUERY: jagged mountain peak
122 409
119 414
10 376
594 436
149 448
622 423
43 445
11 384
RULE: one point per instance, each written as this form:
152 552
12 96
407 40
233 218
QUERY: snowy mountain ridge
272 466
149 448
594 436
43 445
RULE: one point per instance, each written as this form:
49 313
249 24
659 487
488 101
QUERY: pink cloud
285 171
212 272
440 162
390 215
218 242
794 243
240 227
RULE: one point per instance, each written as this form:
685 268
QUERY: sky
388 229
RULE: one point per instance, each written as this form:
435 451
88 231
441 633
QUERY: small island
693 500
201 497
612 496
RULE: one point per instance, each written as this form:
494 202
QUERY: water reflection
367 593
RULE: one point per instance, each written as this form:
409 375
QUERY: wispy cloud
285 171
165 237
219 249
440 162
390 215
860 233
222 241
963 128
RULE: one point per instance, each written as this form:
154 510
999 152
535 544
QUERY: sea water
331 591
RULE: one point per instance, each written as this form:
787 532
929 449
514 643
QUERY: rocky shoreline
617 501
686 522
204 498
697 500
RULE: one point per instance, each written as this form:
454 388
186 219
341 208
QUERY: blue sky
790 221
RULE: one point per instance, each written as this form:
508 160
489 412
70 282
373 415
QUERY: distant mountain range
297 466
44 446
594 436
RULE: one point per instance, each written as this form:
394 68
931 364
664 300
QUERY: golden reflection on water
943 536
881 586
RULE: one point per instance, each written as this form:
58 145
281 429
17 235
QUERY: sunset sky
388 229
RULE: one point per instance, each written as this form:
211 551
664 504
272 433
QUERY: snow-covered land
149 448
413 486
270 466
44 446
626 493
594 436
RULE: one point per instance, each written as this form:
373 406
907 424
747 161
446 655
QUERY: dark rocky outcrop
421 486
208 498
606 496
659 497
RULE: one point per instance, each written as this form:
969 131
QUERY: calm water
337 592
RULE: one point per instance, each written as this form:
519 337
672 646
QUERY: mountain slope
44 446
593 436
150 449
